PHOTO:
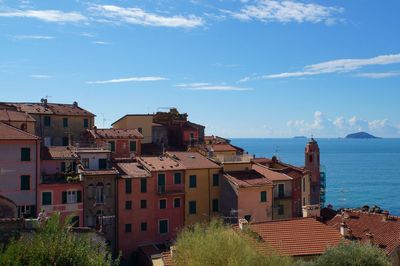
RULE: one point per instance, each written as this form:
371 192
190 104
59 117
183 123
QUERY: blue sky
261 68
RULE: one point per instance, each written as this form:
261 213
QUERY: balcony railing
93 146
60 178
232 159
171 189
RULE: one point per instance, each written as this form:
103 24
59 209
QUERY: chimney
385 216
243 223
172 250
369 238
43 101
75 104
346 214
344 230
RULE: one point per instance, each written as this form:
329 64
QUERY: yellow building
142 122
202 186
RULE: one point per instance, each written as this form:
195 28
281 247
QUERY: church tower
312 164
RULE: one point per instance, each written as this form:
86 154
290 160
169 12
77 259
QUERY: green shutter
25 182
128 186
25 154
132 146
143 185
64 197
192 181
215 180
79 196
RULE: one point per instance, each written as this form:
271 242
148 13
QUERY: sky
249 68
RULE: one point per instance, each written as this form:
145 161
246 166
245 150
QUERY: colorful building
142 122
246 194
57 124
60 187
312 164
19 168
123 143
202 186
20 120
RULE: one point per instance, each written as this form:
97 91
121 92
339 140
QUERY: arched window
24 127
100 193
310 158
108 190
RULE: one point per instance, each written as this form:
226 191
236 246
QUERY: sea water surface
358 171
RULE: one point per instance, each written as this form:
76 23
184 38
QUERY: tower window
310 158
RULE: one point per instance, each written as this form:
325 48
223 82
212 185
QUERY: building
282 191
99 182
17 119
123 143
142 122
215 140
380 229
19 168
60 186
302 238
246 194
57 124
202 180
312 164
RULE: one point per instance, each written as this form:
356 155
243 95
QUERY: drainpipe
209 195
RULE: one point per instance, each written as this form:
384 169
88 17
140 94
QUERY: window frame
143 204
177 200
215 208
25 188
130 146
25 154
215 180
51 198
159 226
65 122
164 202
175 178
143 185
263 196
128 186
192 181
190 211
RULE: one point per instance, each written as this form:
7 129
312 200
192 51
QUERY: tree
54 244
218 244
353 254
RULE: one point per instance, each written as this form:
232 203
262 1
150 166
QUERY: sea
358 171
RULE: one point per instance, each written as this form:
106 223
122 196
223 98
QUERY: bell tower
312 164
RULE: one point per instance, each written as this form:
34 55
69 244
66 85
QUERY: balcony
244 158
87 146
171 189
61 178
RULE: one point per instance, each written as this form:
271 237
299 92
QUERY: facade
312 164
123 143
20 120
223 152
60 187
19 168
202 186
142 122
57 124
246 194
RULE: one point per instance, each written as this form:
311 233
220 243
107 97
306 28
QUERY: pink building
19 168
60 187
150 202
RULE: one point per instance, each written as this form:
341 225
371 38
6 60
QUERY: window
215 180
128 228
281 209
102 164
143 226
112 145
215 205
143 204
177 203
304 201
71 197
132 146
247 217
177 178
263 196
192 207
163 204
85 123
140 130
310 158
63 167
128 186
128 205
99 193
46 198
65 141
25 182
281 190
163 226
192 181
161 182
24 127
65 122
143 185
75 221
85 162
304 184
47 121
191 136
25 154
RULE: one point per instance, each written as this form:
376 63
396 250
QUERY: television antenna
103 119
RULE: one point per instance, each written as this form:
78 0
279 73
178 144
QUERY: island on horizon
361 135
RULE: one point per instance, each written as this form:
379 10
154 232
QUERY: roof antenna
104 119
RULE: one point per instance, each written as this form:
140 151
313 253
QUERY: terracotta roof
295 237
271 175
58 152
132 115
262 160
221 147
156 125
100 172
112 133
52 109
193 160
386 234
8 132
246 179
15 116
161 163
133 169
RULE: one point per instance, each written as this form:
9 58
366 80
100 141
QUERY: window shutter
64 197
79 196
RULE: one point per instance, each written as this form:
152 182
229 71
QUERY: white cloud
193 85
380 75
338 66
101 42
205 86
41 76
87 34
245 79
130 79
46 15
33 37
286 11
141 17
